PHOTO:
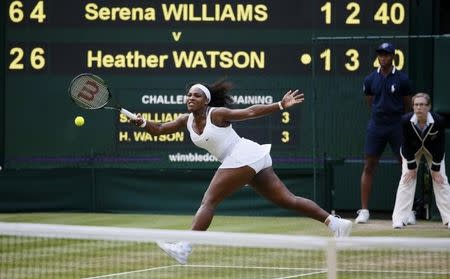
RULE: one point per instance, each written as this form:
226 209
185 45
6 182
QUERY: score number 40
395 13
353 63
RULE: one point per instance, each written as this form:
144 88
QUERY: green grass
30 257
251 224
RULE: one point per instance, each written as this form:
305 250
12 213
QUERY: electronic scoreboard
149 51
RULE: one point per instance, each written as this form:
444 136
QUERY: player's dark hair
219 94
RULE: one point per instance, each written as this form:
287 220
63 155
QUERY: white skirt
245 152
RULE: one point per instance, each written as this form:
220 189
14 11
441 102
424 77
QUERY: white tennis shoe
343 227
179 251
339 227
411 218
363 216
397 225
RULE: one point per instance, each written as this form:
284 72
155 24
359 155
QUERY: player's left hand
409 175
292 98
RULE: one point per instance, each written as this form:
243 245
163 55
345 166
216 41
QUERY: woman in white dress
243 162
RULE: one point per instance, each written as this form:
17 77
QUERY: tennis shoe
411 218
363 216
398 225
343 227
179 251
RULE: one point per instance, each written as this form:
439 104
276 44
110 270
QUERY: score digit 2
36 58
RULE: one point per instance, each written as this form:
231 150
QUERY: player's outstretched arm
156 129
291 98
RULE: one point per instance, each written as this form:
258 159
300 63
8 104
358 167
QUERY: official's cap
386 47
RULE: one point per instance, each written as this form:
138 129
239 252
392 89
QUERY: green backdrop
49 164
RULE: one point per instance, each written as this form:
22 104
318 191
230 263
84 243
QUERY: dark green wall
348 193
441 93
156 191
421 50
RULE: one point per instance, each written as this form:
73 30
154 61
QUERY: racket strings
89 92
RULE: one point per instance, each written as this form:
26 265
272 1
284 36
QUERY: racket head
89 91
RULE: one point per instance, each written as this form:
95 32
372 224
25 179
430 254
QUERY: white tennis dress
226 145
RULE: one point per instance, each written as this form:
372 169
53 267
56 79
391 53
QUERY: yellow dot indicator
305 58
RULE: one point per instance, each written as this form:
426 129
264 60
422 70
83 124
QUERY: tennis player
243 162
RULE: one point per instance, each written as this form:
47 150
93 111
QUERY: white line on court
303 274
396 271
314 270
317 270
130 272
251 267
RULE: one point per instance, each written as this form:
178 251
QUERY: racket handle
129 114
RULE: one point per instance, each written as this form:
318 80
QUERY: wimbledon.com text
191 157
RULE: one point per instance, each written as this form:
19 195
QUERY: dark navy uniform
386 111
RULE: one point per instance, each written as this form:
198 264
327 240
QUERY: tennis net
62 251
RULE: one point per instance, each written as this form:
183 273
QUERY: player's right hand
292 98
139 121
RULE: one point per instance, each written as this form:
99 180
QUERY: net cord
220 238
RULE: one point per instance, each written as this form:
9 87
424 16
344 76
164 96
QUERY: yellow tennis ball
79 121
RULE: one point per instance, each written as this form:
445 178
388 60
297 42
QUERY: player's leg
224 183
404 198
267 184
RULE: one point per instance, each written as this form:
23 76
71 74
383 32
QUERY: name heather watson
193 59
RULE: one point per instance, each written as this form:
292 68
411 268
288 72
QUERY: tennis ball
79 121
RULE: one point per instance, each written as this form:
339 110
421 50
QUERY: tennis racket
91 92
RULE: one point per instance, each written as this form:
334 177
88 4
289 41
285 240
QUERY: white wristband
280 106
143 124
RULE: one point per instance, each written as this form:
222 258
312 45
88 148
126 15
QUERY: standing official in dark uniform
423 135
388 93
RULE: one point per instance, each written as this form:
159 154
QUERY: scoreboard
148 51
